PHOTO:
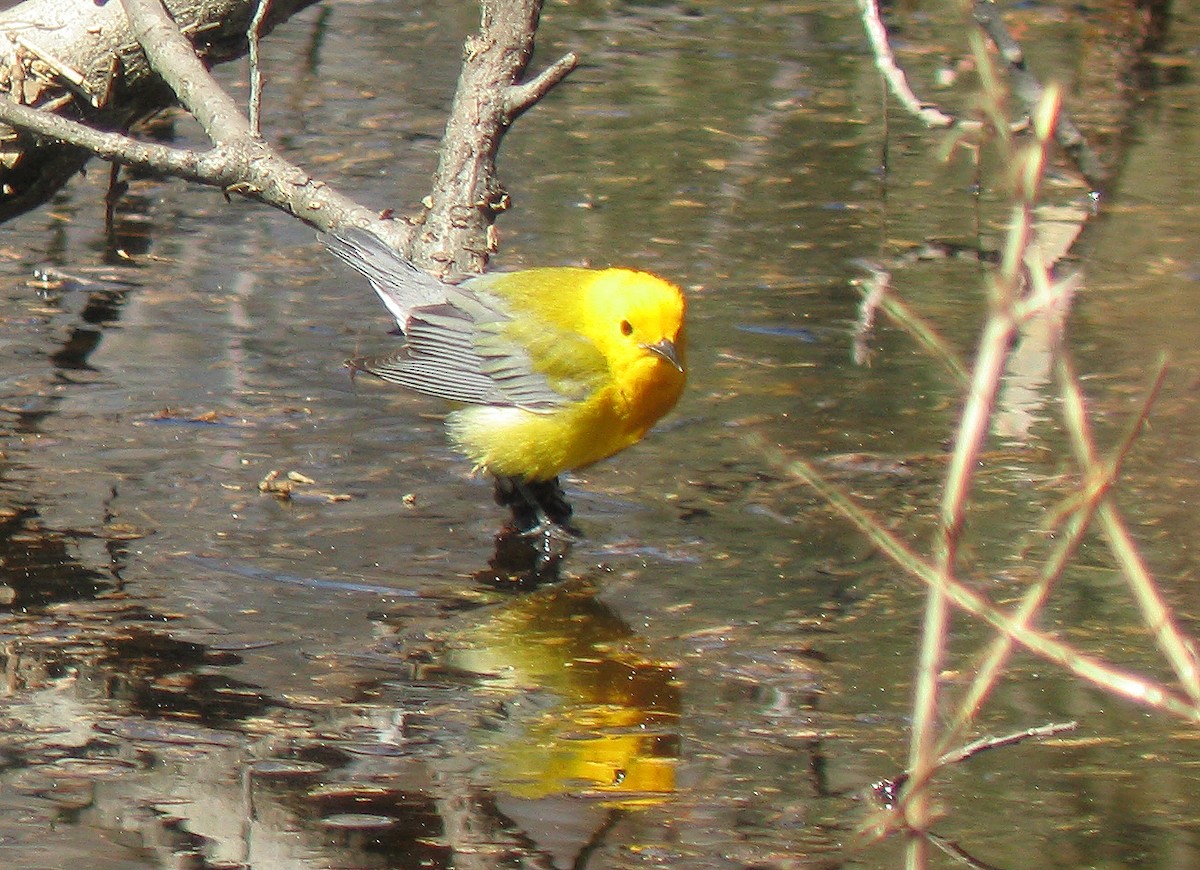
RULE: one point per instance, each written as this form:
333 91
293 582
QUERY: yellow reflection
588 711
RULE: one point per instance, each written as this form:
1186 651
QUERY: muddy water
198 674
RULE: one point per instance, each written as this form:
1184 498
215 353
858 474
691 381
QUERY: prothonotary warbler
551 369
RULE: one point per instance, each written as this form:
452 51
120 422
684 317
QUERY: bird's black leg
530 550
537 506
512 494
552 502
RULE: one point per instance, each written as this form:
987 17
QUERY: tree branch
1026 86
456 230
456 237
82 62
173 58
518 98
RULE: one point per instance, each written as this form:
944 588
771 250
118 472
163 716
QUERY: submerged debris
284 487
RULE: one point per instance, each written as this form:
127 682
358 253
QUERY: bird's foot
529 558
539 507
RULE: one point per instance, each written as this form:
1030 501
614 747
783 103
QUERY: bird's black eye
626 328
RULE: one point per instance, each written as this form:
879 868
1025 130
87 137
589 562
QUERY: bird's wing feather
439 358
462 342
398 283
432 379
565 362
470 350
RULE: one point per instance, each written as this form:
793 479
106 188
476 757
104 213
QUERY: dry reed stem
974 423
1021 288
973 427
1103 675
995 657
877 294
1155 613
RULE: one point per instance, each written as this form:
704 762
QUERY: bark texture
82 61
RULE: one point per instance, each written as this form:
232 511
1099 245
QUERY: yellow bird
552 369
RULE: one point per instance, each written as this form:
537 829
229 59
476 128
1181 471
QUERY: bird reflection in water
586 709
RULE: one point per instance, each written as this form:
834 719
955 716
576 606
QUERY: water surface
198 674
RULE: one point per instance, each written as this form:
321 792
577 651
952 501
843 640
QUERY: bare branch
174 59
249 168
254 37
928 113
90 68
456 237
114 146
518 98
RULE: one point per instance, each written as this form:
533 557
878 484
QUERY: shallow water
201 675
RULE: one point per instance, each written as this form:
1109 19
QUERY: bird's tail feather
400 284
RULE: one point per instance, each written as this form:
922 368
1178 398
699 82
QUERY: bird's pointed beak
665 349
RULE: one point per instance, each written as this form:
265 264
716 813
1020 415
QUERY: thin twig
189 165
519 98
885 60
254 37
983 744
250 168
888 788
1155 612
876 293
1067 543
1133 687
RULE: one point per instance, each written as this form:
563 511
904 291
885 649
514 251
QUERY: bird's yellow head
637 321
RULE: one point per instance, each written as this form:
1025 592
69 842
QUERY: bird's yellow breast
632 326
512 442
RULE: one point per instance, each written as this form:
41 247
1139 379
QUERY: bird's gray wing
465 350
400 285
